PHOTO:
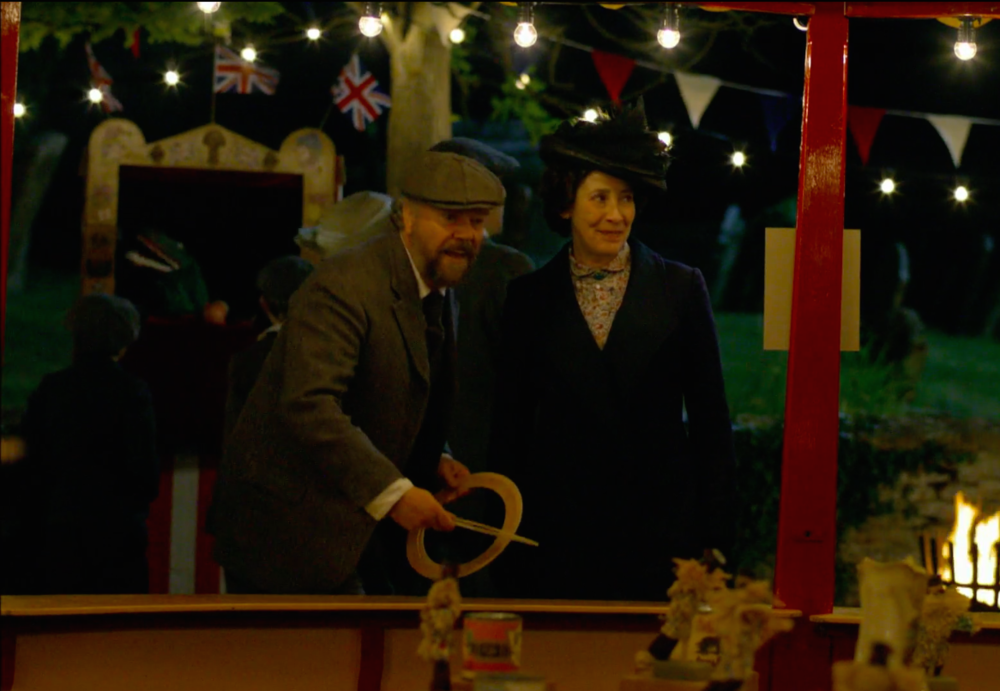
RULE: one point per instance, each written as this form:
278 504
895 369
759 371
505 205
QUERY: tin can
491 642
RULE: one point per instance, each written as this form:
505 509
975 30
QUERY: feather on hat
621 145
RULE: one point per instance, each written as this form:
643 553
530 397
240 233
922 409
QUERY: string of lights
525 34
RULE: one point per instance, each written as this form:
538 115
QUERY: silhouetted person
276 282
91 460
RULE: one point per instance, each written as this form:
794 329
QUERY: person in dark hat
276 283
603 350
347 423
91 458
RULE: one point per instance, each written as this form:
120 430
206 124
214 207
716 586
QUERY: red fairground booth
368 643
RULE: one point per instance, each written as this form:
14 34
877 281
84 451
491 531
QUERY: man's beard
446 271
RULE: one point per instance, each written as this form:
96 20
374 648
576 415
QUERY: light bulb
525 35
19 110
249 54
524 78
665 138
961 194
370 23
590 115
739 159
370 26
457 35
668 38
965 46
209 7
887 186
965 50
313 34
172 78
669 34
95 95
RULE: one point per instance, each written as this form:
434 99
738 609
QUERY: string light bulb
965 46
961 194
370 23
665 138
172 77
249 54
19 110
590 115
313 33
669 34
525 34
524 78
456 35
887 186
95 95
739 159
209 7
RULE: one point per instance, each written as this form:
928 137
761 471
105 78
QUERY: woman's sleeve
710 428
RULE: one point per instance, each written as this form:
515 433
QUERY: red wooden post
807 540
10 26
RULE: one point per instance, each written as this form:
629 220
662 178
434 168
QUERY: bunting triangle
954 130
614 71
778 110
697 91
863 123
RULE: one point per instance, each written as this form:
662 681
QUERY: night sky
905 65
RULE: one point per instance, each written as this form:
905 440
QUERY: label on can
491 642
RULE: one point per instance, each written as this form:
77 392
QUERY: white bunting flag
697 92
954 130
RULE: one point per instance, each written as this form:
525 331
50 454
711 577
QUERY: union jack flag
102 81
357 92
236 75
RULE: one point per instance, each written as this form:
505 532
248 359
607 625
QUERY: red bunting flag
864 123
614 71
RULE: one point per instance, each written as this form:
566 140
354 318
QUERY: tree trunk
420 116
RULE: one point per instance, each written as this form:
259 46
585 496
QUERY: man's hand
452 473
419 509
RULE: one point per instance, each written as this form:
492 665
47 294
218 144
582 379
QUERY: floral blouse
599 292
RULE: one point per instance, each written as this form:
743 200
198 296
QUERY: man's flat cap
497 162
451 181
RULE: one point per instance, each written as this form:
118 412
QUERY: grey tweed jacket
330 423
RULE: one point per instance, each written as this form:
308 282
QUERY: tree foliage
162 22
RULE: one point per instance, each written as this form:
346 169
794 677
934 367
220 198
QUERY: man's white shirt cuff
381 505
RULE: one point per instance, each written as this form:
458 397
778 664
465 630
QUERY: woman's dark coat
614 483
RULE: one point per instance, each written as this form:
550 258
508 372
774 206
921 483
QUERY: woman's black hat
621 145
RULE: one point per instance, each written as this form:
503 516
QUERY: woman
604 349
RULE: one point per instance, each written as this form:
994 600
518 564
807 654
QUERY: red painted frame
807 522
10 27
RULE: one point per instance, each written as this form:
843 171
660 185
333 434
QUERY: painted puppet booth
181 227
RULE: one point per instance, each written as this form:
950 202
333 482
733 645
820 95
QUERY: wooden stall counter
250 643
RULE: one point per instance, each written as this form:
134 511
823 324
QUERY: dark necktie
433 307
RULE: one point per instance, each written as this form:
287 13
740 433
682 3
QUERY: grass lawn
961 376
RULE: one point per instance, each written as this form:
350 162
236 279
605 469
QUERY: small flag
102 81
357 92
233 74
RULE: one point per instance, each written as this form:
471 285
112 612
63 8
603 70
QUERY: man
357 390
276 282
